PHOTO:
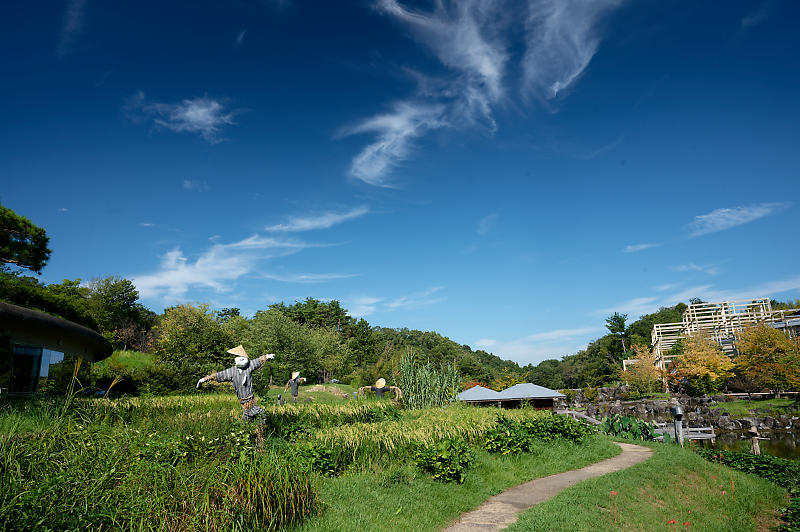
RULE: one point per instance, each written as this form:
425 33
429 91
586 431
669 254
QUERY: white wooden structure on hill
722 321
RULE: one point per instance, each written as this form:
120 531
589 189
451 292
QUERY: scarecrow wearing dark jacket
240 376
380 388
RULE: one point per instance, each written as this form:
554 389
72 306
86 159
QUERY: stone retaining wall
698 411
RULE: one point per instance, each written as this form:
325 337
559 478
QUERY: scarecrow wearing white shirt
240 376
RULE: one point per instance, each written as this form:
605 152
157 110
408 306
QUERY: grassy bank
674 484
399 497
774 407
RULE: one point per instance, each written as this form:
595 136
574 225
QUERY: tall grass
425 386
372 440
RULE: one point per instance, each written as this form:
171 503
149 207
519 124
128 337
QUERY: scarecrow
294 382
240 376
380 388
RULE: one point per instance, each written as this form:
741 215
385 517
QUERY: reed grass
426 386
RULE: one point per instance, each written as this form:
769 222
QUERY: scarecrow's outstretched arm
363 389
207 378
398 393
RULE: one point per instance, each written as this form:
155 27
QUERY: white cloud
199 186
361 306
395 132
146 224
471 39
71 26
721 219
307 277
633 248
487 223
416 300
467 37
562 38
485 343
239 39
202 116
318 221
63 209
536 347
216 268
756 17
666 286
644 305
710 269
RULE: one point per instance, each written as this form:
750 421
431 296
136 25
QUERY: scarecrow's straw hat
380 383
295 374
238 351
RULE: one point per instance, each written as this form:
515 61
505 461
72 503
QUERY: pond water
785 444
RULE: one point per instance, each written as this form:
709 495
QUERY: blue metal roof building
515 396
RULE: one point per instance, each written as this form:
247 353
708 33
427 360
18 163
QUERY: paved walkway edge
501 510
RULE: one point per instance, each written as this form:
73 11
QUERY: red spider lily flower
671 522
614 493
687 524
714 477
724 492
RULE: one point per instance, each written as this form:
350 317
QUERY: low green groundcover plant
628 427
511 437
446 460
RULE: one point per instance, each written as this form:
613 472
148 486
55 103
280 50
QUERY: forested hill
377 350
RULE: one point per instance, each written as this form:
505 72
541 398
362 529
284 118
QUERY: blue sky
505 173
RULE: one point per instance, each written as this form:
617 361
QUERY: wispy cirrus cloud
395 132
417 299
471 39
756 16
307 277
534 348
216 268
202 116
237 43
708 292
487 223
562 37
323 220
710 269
722 219
633 248
71 26
361 306
198 186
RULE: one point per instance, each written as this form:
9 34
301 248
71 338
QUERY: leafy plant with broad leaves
510 436
628 427
446 460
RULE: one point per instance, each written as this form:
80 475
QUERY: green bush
591 394
569 396
510 436
628 427
446 460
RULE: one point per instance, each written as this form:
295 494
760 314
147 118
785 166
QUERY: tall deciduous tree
769 358
702 367
643 376
22 243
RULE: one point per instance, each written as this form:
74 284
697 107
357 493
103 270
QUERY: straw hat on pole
380 383
295 374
